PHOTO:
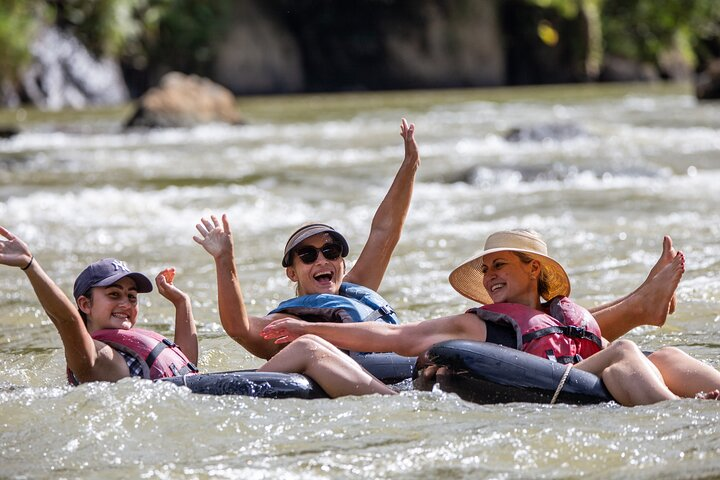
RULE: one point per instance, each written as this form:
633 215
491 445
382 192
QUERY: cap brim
310 232
142 283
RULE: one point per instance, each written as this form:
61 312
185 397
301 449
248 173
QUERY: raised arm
185 330
409 339
389 219
217 240
81 352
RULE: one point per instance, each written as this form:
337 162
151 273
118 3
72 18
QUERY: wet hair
542 281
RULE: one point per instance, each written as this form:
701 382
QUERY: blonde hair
543 281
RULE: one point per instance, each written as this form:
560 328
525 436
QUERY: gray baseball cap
106 272
308 231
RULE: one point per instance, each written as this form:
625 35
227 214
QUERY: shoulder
109 364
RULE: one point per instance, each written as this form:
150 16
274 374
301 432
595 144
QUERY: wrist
29 264
225 261
181 300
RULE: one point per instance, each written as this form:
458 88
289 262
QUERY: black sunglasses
309 254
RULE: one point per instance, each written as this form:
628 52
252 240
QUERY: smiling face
508 279
114 306
322 275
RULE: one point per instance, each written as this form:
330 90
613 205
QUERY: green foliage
186 34
643 29
566 8
18 21
107 27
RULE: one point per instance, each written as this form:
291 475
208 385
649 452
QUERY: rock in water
184 101
542 132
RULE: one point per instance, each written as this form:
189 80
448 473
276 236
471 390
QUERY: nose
125 300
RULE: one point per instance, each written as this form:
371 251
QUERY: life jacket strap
568 330
379 313
189 368
155 352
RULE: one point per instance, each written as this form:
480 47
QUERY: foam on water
643 167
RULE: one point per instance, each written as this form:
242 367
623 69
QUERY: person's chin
498 298
326 287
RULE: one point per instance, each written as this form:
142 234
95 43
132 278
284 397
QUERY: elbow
236 329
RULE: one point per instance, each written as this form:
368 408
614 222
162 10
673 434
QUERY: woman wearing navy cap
99 335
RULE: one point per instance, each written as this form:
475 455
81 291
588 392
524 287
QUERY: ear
84 304
291 274
535 269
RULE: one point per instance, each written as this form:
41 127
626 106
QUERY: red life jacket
158 356
567 333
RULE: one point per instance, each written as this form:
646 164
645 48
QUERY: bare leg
648 305
684 375
334 371
629 376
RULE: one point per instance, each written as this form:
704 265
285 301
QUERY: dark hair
83 315
542 282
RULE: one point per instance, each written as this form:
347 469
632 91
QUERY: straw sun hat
467 279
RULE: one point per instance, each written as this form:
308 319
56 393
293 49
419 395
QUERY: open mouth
323 277
496 287
123 318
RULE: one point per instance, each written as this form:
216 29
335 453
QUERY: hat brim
467 279
142 283
310 232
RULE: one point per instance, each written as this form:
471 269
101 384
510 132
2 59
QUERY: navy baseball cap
308 231
106 272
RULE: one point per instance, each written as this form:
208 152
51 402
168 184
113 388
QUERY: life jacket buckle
386 310
574 331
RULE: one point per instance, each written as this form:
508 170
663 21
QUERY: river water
631 163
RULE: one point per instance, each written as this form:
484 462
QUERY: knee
307 344
625 349
667 355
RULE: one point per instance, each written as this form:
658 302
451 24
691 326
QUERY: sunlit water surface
642 163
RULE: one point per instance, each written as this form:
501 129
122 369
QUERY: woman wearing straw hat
514 269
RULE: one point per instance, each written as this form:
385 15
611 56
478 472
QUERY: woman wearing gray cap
99 335
314 259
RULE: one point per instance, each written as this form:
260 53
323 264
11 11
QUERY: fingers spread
201 228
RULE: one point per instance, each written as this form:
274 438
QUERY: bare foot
666 257
713 395
658 290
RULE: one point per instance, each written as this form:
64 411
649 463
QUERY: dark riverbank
75 54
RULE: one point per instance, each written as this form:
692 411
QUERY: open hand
284 330
216 239
13 251
408 134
